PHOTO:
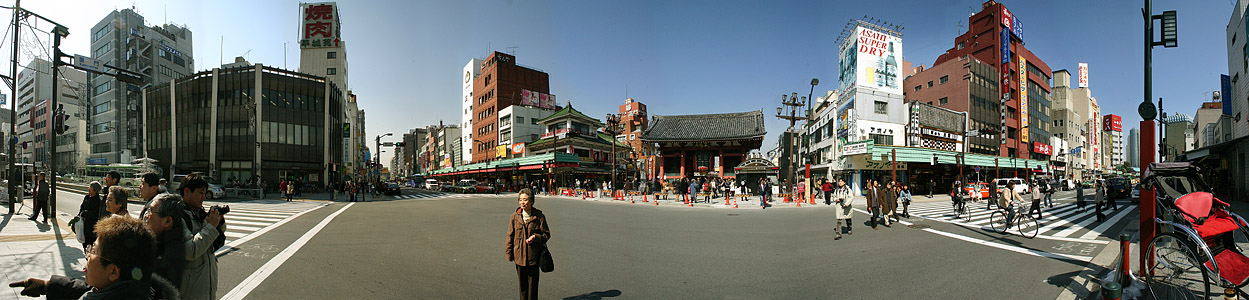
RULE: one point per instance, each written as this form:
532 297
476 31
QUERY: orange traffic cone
691 204
645 196
799 203
734 203
656 202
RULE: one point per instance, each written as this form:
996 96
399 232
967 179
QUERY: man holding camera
207 234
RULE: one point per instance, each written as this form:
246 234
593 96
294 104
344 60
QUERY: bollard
1229 293
1124 270
1112 291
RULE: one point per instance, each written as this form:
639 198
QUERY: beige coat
842 198
199 280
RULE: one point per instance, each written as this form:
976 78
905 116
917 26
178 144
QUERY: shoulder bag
545 262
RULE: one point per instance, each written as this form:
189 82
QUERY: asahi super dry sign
872 60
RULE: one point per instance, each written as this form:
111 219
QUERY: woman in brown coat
527 234
871 201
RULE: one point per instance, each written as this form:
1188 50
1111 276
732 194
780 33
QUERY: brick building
499 85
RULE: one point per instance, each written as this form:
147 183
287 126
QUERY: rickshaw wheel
1177 271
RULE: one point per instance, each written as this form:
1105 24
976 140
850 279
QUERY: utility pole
55 113
12 140
1170 38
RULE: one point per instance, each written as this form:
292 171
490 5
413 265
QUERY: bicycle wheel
998 221
966 213
1177 272
1028 226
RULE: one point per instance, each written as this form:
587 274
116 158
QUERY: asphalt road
452 247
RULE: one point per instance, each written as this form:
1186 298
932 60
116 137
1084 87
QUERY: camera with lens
221 209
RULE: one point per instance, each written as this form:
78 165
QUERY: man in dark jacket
872 201
41 199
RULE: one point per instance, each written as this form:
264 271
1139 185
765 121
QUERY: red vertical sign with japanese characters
320 25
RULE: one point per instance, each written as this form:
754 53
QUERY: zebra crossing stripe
1106 225
980 220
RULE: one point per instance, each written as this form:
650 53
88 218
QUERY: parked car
484 188
215 191
432 184
973 188
1117 188
392 189
1088 184
465 186
1020 187
1067 184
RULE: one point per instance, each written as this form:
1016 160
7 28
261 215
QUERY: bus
129 173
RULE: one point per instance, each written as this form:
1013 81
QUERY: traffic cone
656 202
734 203
799 203
645 196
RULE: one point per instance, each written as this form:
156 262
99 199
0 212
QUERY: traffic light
59 118
399 144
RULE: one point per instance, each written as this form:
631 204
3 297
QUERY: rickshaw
1196 246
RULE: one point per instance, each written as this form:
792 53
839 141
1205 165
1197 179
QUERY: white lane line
980 224
244 228
231 234
232 222
253 218
1027 251
253 235
1096 231
240 291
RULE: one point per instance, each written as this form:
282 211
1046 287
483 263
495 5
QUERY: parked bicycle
1027 225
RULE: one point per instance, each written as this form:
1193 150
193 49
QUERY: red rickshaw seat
1233 266
1198 205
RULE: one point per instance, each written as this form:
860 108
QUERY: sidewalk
751 202
30 249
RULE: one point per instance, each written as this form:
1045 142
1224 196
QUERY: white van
431 184
1020 187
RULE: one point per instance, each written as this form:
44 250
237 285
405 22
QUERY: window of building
917 88
960 45
882 107
331 55
945 78
881 139
100 33
102 148
943 100
102 127
331 71
103 107
930 84
103 87
520 120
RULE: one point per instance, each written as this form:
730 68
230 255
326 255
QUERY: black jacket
90 210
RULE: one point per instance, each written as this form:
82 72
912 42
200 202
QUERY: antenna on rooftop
512 50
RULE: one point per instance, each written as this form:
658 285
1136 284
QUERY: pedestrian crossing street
1063 222
248 217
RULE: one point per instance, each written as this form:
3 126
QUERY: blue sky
677 57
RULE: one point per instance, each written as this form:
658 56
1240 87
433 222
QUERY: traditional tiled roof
706 127
568 110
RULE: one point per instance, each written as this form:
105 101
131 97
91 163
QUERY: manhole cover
733 215
918 226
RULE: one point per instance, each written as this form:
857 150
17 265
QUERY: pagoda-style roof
710 127
568 111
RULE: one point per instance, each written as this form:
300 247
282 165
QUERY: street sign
88 64
388 144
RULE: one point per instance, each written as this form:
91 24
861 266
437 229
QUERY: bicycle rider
1008 200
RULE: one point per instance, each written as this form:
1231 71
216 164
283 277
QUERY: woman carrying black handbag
527 235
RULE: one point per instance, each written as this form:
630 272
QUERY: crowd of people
168 252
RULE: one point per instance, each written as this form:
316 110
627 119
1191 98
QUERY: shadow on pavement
595 295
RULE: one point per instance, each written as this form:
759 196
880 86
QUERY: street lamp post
793 103
378 160
613 121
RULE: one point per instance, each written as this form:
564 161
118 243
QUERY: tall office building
35 111
323 52
1134 147
996 36
502 83
471 70
161 53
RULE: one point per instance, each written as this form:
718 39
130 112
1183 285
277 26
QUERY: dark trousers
41 205
827 201
528 277
875 215
1036 206
1100 215
1111 204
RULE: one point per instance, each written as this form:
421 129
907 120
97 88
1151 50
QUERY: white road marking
247 285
